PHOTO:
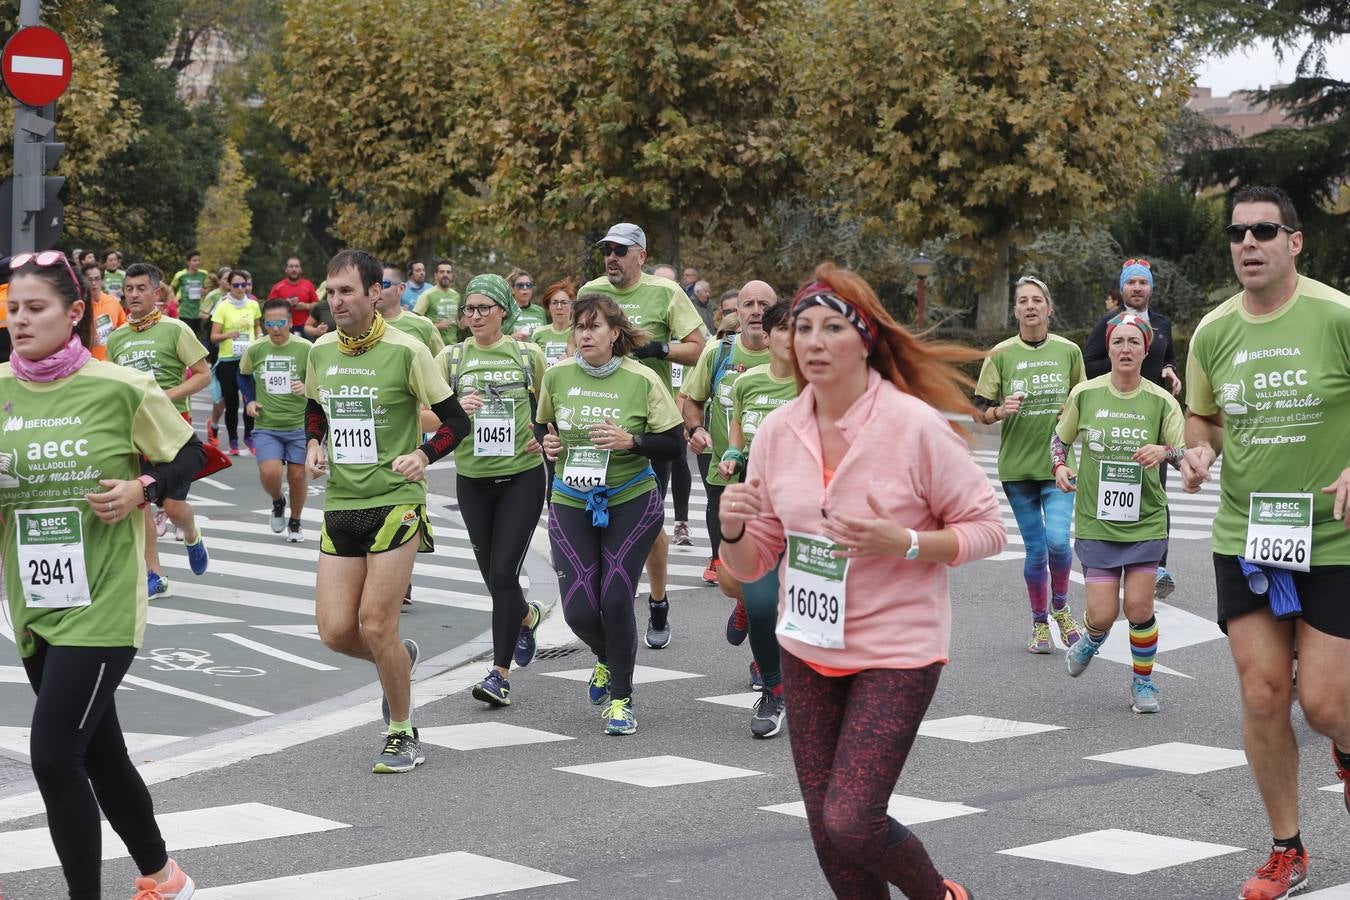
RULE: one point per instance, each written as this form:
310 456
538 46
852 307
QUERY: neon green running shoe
599 686
619 718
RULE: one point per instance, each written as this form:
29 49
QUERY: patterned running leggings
850 738
1043 514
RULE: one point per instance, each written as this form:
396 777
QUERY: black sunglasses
523 285
614 249
239 284
1262 231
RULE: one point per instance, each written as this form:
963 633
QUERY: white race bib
814 597
351 430
1279 531
239 346
277 376
194 291
51 558
1119 491
676 375
494 428
103 328
585 468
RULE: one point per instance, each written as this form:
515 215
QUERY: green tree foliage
225 226
985 121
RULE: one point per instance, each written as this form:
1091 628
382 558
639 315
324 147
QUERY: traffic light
38 210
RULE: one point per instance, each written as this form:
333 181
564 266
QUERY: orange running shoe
178 886
710 573
955 891
1284 874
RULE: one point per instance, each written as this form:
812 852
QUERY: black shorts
1324 594
180 493
358 532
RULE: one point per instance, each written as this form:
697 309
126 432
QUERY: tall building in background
1238 112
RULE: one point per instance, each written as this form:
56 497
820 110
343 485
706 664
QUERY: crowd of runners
840 492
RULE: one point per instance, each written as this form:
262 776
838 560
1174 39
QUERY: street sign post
35 65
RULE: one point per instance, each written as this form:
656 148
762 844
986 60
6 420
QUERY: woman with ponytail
873 495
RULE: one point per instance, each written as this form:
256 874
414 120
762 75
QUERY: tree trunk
992 312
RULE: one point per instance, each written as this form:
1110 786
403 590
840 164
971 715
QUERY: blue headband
1134 269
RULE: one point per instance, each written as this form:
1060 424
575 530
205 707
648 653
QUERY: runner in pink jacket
867 494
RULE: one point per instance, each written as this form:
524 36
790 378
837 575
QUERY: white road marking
193 695
275 653
1125 852
163 615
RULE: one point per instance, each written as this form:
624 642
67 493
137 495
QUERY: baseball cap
627 234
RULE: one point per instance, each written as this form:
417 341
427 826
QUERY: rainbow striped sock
1143 646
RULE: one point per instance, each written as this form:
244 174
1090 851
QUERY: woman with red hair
864 611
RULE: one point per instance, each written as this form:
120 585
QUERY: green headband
495 288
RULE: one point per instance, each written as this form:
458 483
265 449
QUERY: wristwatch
637 442
913 551
146 482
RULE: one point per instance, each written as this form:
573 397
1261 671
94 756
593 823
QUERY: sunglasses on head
1136 262
45 259
1262 231
523 285
613 249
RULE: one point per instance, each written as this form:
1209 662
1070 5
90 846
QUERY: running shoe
157 586
161 521
249 443
178 534
658 624
494 690
212 435
756 678
598 689
234 448
278 518
1143 695
407 595
619 718
198 558
1068 628
1165 585
1077 657
710 573
1283 874
1342 773
767 720
413 653
401 753
525 645
956 892
1040 638
295 534
682 538
738 624
178 886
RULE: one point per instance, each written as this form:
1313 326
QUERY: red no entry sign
36 65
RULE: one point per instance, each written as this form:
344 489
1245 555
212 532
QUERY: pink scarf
66 361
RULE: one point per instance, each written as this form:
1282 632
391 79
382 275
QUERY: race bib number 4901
814 607
1279 531
51 558
277 376
351 430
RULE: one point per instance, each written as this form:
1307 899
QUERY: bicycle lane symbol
183 659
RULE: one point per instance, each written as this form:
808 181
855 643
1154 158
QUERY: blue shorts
217 396
288 446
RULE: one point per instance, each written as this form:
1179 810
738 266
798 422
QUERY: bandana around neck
65 361
355 346
145 322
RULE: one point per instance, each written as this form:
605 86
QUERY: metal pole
27 165
921 312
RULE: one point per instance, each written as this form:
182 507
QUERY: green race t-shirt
717 411
1045 374
553 342
57 440
421 328
658 306
189 288
273 369
1113 425
113 281
496 370
243 319
440 306
757 393
388 384
529 318
631 396
165 351
1282 384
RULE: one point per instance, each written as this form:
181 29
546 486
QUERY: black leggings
850 737
1167 510
598 571
227 373
500 515
77 743
710 513
681 481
